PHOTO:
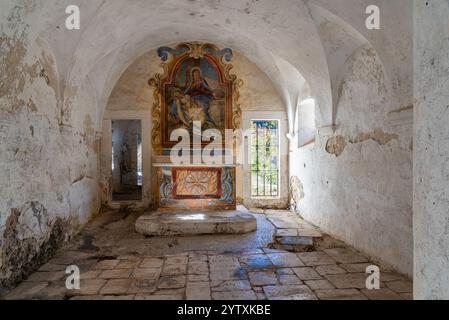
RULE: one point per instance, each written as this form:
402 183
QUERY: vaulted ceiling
287 39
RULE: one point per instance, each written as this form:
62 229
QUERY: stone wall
49 166
431 167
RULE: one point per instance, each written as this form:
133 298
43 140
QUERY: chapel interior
224 150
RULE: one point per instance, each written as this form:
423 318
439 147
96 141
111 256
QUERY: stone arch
341 41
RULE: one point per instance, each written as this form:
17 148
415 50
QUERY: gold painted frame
172 57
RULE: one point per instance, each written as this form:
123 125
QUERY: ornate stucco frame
171 58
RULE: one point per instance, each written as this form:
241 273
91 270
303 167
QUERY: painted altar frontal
195 187
195 89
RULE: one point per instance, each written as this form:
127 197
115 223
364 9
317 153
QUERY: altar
195 200
195 95
195 187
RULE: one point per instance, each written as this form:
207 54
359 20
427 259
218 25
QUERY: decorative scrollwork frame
171 57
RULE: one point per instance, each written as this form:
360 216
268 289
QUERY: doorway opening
265 159
126 160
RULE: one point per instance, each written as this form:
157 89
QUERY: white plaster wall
48 181
363 188
431 168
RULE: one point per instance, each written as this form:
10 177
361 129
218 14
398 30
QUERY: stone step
301 237
195 223
292 231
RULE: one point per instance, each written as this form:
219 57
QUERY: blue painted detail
164 52
166 188
227 53
227 185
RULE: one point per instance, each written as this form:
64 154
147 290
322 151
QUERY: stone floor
118 263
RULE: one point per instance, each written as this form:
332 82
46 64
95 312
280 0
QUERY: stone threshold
195 223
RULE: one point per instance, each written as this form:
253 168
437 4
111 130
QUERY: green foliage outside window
265 158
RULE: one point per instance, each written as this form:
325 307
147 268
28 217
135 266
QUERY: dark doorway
126 160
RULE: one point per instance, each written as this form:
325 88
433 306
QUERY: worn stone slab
52 267
340 294
283 222
171 269
151 263
307 274
263 278
198 277
259 261
119 298
132 257
392 276
288 279
116 287
177 258
296 292
92 274
344 255
230 285
171 292
285 260
46 276
198 268
285 271
330 269
218 267
89 287
198 291
148 273
223 262
295 241
128 264
286 233
106 264
86 265
172 282
116 274
140 286
356 267
233 274
160 297
407 296
261 296
319 284
296 297
69 257
87 298
196 223
401 286
316 258
250 252
381 294
234 296
349 280
271 250
197 257
26 290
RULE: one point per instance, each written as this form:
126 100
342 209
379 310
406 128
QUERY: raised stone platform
195 223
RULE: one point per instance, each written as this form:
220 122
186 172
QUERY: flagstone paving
128 266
